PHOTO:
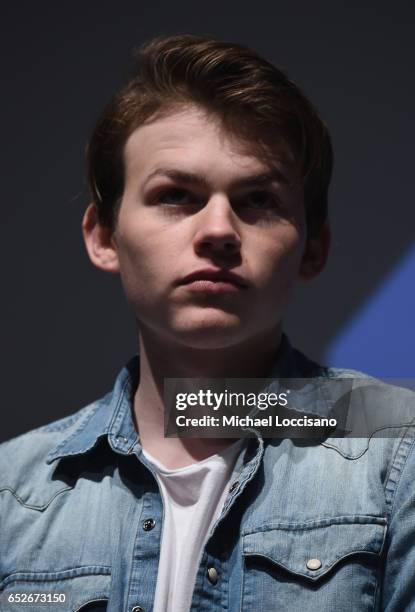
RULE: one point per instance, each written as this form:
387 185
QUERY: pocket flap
312 549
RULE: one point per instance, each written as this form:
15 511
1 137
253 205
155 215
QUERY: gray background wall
65 327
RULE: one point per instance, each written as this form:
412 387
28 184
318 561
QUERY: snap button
149 524
233 487
137 609
212 575
313 564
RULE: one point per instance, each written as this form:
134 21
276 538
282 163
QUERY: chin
215 330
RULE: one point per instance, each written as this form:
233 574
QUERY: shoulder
382 391
388 408
375 418
25 456
388 395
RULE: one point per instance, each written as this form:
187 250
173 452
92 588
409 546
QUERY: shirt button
313 564
149 524
137 609
212 575
233 487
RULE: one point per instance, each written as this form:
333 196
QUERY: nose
217 232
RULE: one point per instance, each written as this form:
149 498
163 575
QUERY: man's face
209 238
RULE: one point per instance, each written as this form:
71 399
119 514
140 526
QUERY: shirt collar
112 416
306 380
109 417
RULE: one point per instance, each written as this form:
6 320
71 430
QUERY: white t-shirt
193 497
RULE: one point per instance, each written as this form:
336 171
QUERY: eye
176 197
261 200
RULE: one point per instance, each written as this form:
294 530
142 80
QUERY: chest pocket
75 590
325 565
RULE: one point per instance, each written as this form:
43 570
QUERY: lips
215 276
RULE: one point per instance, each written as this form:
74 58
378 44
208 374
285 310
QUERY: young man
209 174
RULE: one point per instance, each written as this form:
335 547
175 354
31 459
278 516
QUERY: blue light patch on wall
380 339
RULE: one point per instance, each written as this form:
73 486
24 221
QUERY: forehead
194 140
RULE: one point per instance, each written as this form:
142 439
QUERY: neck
160 360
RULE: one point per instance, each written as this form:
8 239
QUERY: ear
315 254
99 242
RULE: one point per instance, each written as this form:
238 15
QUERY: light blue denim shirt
307 525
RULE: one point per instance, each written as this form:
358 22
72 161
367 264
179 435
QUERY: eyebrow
258 179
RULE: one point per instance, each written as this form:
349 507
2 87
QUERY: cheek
139 266
280 256
147 257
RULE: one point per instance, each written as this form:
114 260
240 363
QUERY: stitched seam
316 576
116 414
399 470
244 571
340 452
255 464
354 457
82 570
32 506
346 519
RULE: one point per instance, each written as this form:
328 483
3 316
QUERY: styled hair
253 98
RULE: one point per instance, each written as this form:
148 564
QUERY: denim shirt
307 525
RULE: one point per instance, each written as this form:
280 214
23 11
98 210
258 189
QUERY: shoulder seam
405 447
